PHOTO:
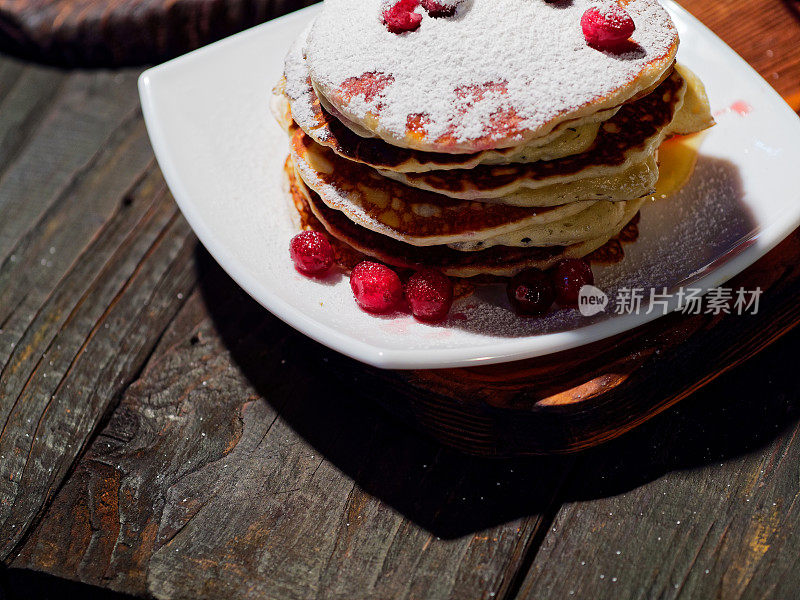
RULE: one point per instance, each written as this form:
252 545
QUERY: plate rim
503 350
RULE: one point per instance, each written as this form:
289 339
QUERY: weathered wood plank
764 33
89 339
10 71
53 147
237 465
700 503
25 93
95 32
58 244
72 237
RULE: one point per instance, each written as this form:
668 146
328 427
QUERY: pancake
331 109
596 221
497 74
629 137
636 181
403 213
329 128
695 114
572 137
482 143
280 109
499 261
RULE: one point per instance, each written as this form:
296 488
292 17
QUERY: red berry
607 27
531 292
400 16
440 8
569 276
311 252
376 287
430 294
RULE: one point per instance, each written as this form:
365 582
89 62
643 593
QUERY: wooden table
161 435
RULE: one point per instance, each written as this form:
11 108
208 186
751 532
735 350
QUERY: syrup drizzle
677 158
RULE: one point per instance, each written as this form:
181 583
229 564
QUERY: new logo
591 300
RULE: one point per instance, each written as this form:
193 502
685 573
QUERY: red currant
531 292
607 27
311 252
376 287
440 8
569 276
430 294
400 16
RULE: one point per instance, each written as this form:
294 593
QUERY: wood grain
78 309
764 33
700 504
226 416
102 33
280 478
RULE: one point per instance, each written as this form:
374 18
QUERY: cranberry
311 252
376 287
430 294
607 27
400 16
531 292
569 277
440 8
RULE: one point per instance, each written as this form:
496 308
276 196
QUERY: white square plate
222 155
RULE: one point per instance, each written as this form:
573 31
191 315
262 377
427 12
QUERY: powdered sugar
522 60
447 3
298 88
611 10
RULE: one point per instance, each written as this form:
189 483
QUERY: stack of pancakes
482 143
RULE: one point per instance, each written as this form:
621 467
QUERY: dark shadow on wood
452 494
794 7
21 584
739 413
447 493
102 34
